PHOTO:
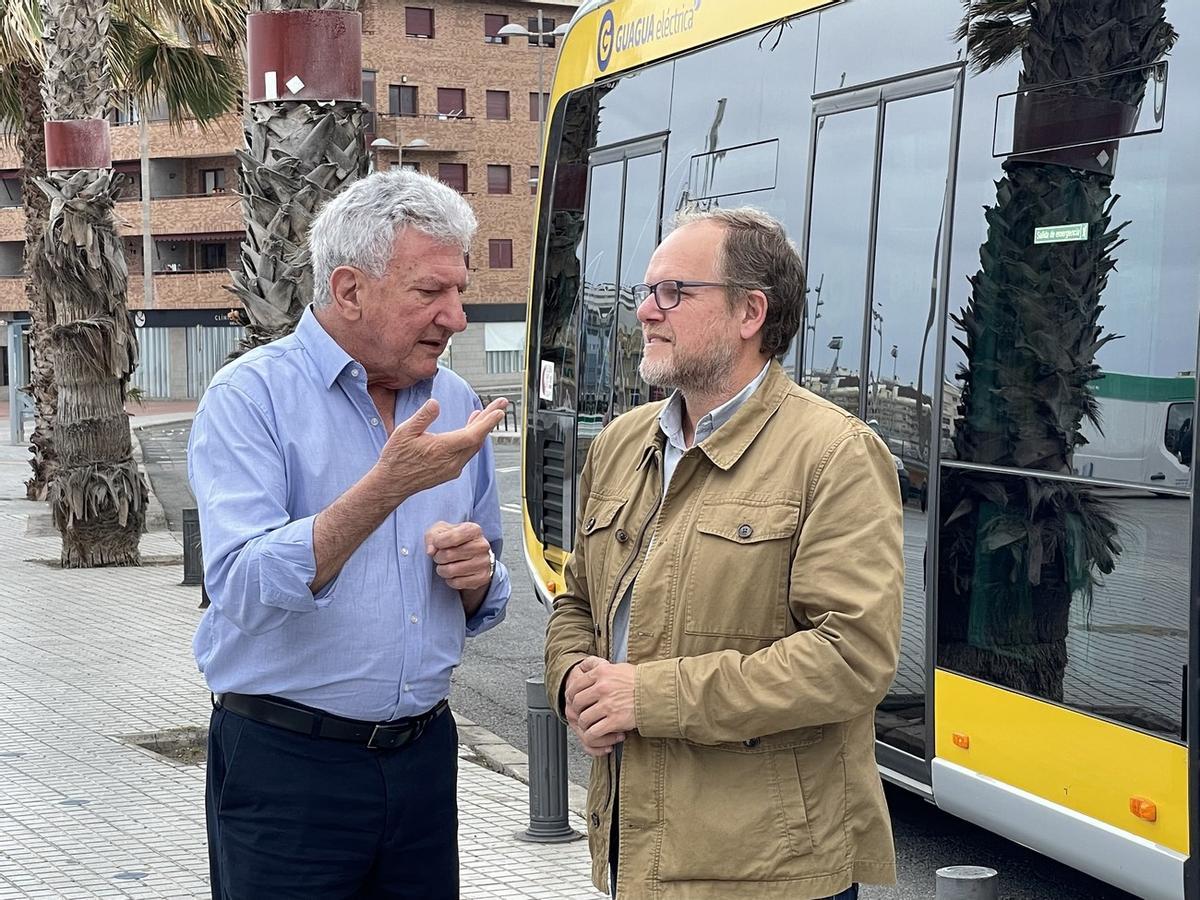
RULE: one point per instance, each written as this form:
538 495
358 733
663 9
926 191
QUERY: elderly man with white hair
351 529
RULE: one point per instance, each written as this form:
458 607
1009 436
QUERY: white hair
359 226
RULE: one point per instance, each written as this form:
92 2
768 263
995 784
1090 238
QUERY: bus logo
605 40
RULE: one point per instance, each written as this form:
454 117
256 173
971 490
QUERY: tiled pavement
90 656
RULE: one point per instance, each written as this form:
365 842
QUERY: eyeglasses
669 293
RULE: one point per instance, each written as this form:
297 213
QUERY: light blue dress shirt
281 433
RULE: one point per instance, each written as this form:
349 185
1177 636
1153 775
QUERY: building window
212 256
503 347
410 166
497 104
454 175
212 181
491 29
368 99
535 112
547 26
533 180
452 102
500 254
402 100
499 179
418 21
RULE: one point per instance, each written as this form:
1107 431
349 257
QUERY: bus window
839 235
624 208
639 237
602 244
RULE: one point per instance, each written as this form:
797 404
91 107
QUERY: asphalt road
489 689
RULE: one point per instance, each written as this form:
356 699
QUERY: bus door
624 212
882 159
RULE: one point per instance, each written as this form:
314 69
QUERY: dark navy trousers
291 816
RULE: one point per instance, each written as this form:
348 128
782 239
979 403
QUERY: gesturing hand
461 554
413 459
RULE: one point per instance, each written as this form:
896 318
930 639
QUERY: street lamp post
378 146
835 344
518 31
812 326
877 327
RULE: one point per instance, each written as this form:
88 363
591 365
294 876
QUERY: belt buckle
384 737
381 739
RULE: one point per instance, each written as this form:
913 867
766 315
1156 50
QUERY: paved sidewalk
91 657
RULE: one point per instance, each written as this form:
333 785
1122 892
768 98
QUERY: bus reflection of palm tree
1015 551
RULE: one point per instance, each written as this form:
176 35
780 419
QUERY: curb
497 754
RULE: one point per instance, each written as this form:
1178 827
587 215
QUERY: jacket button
753 742
597 629
744 531
590 523
622 537
595 820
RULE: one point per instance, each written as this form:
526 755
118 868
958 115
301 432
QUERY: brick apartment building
449 97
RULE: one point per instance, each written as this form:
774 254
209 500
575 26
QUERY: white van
1145 435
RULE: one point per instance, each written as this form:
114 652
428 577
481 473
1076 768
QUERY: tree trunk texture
298 155
98 496
31 144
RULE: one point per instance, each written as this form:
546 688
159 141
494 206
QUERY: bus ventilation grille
554 485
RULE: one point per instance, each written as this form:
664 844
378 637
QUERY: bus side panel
1087 765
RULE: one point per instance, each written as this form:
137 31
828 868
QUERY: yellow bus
994 214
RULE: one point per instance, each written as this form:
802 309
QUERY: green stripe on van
1144 388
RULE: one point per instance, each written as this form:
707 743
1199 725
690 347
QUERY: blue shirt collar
326 353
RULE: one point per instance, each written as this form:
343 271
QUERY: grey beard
704 374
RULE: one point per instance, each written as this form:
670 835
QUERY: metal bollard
193 559
967 883
548 823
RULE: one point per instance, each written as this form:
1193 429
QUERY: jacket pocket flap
748 524
600 513
784 740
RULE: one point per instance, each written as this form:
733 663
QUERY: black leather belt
305 720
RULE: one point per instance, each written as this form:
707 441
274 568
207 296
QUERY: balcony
185 290
218 138
12 293
182 215
442 134
172 290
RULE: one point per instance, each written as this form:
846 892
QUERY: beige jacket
765 626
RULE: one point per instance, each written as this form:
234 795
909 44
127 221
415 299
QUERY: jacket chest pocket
602 530
738 570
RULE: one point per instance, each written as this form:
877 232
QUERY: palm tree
298 155
150 58
97 495
1018 551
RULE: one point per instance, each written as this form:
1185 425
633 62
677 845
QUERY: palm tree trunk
98 495
31 143
298 155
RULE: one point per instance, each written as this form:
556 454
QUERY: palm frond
219 26
995 31
10 102
193 84
21 32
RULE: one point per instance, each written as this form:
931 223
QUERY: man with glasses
731 613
